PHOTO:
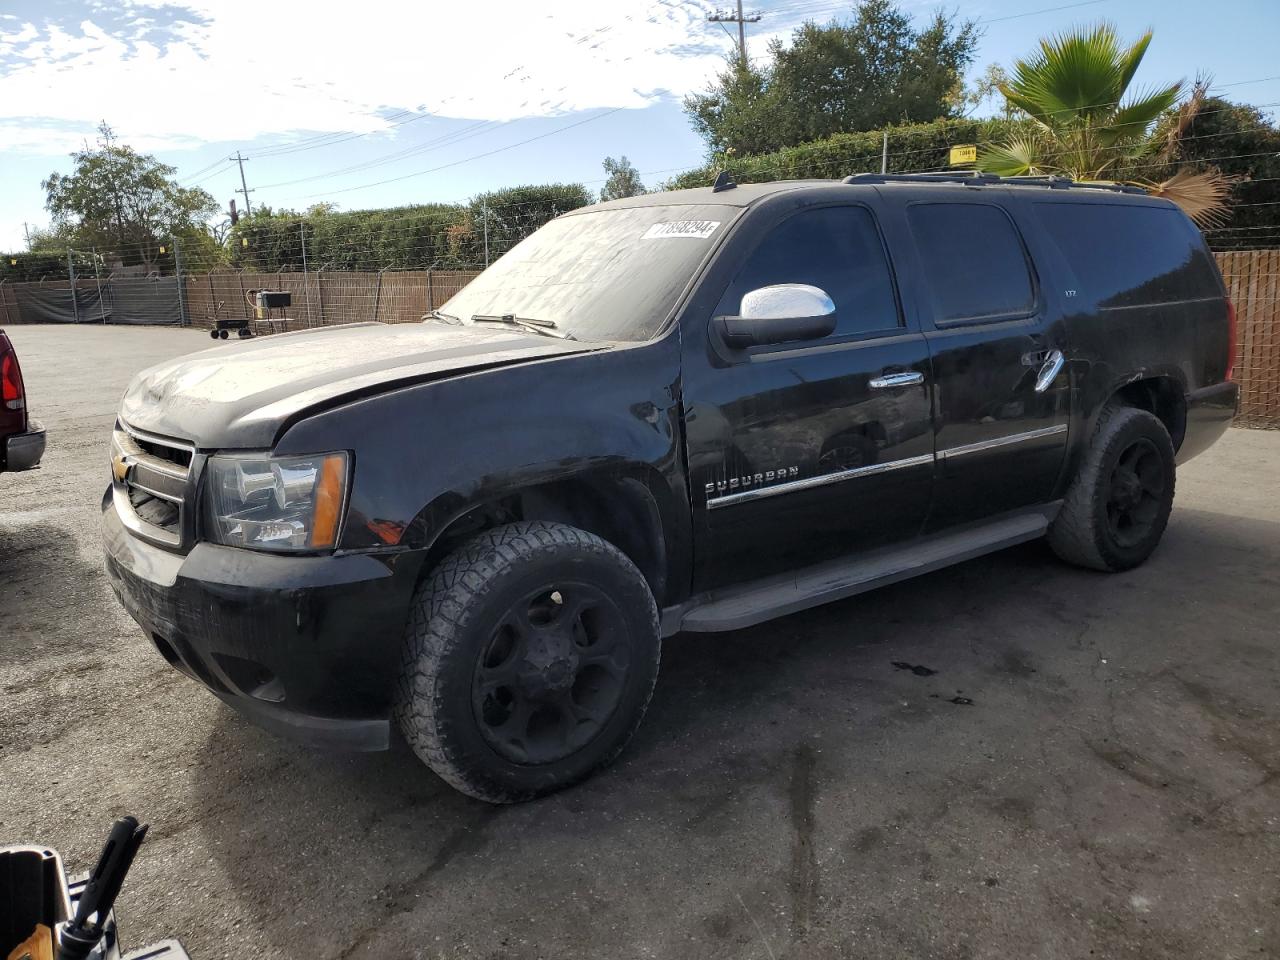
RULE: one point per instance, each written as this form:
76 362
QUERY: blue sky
417 94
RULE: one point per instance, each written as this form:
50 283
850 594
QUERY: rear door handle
890 380
1049 370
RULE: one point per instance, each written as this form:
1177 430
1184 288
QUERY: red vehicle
21 438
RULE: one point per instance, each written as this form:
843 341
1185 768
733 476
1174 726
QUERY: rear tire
530 656
1116 509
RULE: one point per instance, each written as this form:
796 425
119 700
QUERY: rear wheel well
621 511
1163 397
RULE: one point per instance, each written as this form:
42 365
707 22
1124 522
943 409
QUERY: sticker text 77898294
668 229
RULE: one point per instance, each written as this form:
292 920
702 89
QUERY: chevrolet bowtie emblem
120 467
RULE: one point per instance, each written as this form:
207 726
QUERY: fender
1096 381
427 454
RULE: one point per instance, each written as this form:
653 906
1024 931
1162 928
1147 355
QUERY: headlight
270 503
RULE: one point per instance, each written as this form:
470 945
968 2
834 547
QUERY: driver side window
835 248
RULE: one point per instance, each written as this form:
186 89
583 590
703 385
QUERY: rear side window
835 248
1130 256
975 268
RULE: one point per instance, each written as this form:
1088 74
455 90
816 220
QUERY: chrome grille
151 482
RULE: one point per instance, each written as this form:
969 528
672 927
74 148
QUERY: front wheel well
619 510
1163 397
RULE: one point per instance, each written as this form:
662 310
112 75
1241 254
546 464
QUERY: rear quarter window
1129 255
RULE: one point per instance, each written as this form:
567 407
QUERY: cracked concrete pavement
1112 788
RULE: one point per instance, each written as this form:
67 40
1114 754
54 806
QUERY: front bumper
305 646
22 451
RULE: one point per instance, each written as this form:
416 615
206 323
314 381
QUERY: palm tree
1073 90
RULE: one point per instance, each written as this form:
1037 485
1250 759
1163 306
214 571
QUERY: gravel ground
1112 789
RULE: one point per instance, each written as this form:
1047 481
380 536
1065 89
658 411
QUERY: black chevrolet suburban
686 411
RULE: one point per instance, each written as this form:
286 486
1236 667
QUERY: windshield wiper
445 317
544 327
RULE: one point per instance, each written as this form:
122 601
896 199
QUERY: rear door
1001 400
802 451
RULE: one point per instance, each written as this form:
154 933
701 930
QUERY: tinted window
973 261
1126 256
835 248
601 275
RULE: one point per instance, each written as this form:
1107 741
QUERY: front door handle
890 380
1049 370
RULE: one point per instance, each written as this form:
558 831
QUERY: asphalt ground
1008 759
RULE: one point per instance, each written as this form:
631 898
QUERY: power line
1033 13
447 140
479 156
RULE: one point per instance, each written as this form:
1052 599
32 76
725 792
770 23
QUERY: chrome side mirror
778 314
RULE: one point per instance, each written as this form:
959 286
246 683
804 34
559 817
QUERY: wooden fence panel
404 297
1253 283
1252 278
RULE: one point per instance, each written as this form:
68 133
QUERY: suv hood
242 394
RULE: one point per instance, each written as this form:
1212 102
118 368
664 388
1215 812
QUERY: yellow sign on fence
964 154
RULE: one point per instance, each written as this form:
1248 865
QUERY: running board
733 608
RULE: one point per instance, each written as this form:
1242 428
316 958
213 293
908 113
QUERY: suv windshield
605 275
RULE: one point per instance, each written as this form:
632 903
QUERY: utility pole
177 271
884 154
71 271
741 21
244 187
27 231
484 211
306 284
97 278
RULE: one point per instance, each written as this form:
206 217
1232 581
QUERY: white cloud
255 67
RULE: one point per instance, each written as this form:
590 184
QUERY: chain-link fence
326 297
323 299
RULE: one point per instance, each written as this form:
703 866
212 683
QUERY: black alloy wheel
1136 493
530 655
553 673
1116 509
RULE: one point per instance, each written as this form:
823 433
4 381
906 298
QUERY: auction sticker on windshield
698 229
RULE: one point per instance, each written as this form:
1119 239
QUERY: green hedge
913 148
360 240
34 266
444 236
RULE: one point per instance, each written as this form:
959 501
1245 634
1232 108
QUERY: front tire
1116 509
530 656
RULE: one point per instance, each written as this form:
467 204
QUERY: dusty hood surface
243 393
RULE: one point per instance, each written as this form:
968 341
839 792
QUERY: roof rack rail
976 178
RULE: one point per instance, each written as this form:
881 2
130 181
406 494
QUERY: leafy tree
624 180
865 74
731 114
1086 126
986 87
1243 143
120 200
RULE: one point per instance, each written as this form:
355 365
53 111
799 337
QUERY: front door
803 451
1001 396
